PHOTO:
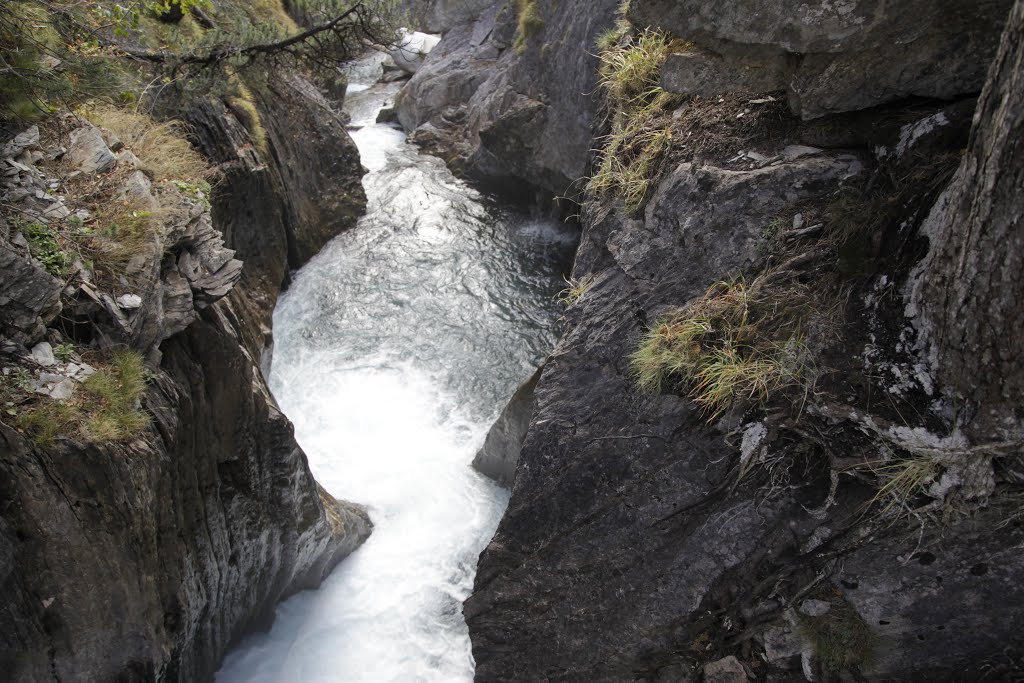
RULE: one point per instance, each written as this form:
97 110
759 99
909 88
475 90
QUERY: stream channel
395 349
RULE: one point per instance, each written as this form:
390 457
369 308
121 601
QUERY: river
395 349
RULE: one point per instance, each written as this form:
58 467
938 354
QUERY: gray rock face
29 296
437 16
840 55
595 572
499 455
500 114
277 213
630 550
146 560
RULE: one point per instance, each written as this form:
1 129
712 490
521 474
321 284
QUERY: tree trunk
967 295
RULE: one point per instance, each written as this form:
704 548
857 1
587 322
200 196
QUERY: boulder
499 455
29 296
411 50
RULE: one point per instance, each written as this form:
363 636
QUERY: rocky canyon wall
148 557
848 522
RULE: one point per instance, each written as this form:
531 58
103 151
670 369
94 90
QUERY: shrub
44 243
734 342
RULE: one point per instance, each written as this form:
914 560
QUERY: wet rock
387 115
727 670
88 152
499 455
529 112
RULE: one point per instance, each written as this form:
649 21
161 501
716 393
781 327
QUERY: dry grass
735 342
162 147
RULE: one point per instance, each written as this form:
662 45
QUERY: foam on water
394 350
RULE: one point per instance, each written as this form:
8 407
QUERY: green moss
243 106
529 23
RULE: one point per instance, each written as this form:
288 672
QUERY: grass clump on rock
734 342
105 408
640 139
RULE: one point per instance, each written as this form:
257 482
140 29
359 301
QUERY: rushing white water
394 349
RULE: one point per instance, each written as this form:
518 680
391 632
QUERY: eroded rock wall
648 540
147 559
511 108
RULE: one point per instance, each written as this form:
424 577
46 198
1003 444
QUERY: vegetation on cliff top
59 53
105 409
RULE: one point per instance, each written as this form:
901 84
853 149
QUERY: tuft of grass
104 410
640 140
905 479
840 638
734 342
530 23
163 149
577 289
631 72
630 163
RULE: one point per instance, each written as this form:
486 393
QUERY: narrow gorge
657 340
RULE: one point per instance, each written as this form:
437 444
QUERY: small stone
798 221
129 302
815 608
128 157
781 644
55 386
80 371
42 353
726 670
89 152
57 211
